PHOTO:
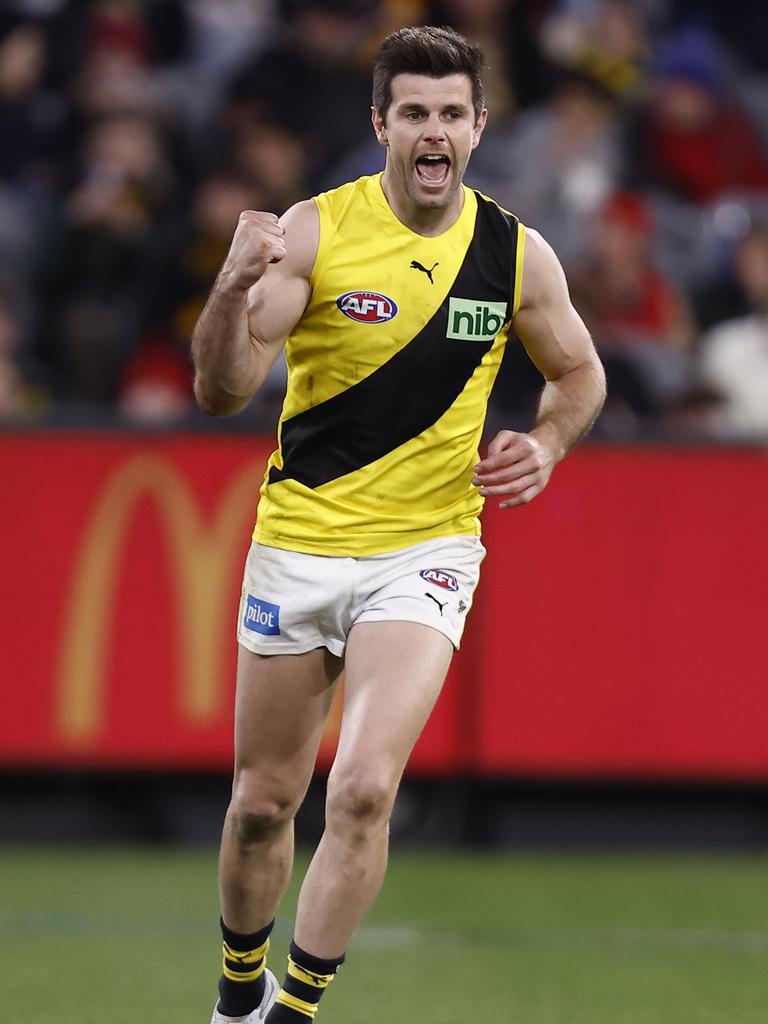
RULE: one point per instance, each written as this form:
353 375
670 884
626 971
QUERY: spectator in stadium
32 121
517 74
557 163
313 81
181 269
29 120
223 35
188 253
605 39
733 357
693 138
155 387
639 319
115 80
272 161
94 252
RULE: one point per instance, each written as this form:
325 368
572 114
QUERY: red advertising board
627 613
618 630
122 558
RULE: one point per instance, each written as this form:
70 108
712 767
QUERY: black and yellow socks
241 987
306 980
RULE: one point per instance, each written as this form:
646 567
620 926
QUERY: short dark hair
426 50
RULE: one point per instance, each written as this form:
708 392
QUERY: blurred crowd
634 135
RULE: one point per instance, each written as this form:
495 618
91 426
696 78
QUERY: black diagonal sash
413 389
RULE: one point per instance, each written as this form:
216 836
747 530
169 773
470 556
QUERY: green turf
129 937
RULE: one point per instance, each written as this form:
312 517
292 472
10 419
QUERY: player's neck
424 220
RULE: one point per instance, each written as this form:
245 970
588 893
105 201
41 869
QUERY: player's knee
357 805
255 821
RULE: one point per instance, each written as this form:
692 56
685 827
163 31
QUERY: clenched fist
257 242
516 464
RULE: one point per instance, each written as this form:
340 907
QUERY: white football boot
255 1016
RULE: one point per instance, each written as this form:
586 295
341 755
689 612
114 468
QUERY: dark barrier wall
620 628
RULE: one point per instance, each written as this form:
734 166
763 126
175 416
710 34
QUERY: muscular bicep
277 302
553 333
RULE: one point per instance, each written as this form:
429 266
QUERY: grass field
130 937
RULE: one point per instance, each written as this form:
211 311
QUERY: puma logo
438 603
415 265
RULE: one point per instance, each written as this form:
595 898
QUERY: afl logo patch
440 578
367 307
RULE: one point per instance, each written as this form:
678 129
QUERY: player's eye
413 115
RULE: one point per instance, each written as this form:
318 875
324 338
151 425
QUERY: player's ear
479 125
379 127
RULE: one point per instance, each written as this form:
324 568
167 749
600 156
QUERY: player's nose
434 129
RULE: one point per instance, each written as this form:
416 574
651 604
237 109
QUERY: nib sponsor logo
472 320
261 616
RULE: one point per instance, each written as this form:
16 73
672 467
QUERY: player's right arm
259 296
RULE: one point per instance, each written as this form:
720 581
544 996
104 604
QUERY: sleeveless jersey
389 372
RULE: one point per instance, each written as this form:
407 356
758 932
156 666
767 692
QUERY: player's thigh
393 675
281 707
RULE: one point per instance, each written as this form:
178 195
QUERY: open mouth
432 169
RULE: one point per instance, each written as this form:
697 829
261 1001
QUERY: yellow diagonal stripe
250 956
286 999
518 268
308 977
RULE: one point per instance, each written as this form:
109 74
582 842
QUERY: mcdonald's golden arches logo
202 559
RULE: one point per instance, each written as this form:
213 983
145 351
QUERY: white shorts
293 602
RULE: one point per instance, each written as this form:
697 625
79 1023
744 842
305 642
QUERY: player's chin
434 195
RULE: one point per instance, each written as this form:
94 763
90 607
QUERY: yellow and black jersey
389 373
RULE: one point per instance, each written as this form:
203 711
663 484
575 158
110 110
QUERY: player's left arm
555 338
